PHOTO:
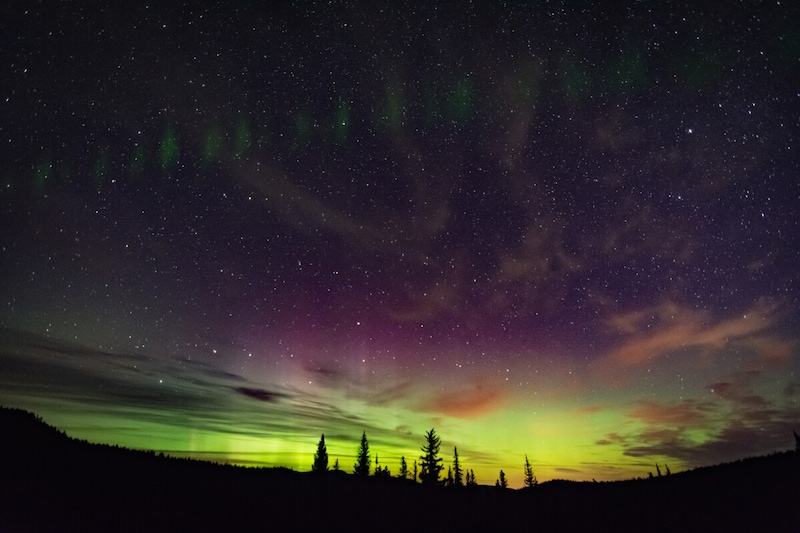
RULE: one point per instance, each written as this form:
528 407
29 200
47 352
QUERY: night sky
561 229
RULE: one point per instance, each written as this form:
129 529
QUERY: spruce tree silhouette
501 482
458 474
320 464
403 474
530 479
430 466
363 461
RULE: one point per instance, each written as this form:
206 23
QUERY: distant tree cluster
381 471
658 471
471 482
427 471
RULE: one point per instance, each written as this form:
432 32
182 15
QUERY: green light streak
697 70
136 165
628 72
302 127
461 100
432 107
525 86
101 165
212 144
575 79
169 148
242 139
341 124
393 111
43 172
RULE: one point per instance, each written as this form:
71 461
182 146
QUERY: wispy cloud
479 398
733 423
653 332
734 441
688 413
260 394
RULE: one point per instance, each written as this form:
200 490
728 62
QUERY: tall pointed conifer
320 464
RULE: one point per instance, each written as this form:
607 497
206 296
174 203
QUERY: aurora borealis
566 230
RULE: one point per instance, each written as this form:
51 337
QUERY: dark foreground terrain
49 482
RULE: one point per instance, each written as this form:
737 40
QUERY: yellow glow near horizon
559 444
577 433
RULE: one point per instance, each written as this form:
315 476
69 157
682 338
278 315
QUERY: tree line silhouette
428 471
51 482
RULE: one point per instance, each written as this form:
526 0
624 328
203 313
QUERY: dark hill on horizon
51 482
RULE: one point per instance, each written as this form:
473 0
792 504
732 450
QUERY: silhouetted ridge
50 482
22 428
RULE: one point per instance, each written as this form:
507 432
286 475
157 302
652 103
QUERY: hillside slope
51 482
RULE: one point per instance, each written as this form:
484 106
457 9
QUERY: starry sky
564 229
